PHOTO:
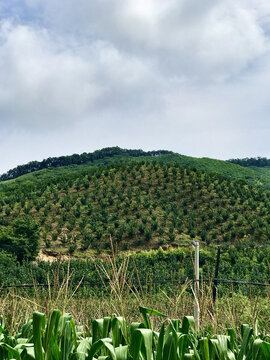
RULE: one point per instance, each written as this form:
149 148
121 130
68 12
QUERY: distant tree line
257 161
77 159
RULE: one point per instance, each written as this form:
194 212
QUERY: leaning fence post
196 286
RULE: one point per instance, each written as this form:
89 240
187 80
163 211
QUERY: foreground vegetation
121 285
116 339
124 335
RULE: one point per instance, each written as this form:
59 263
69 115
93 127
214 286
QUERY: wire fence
105 282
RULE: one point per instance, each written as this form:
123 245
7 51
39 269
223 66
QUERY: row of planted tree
139 204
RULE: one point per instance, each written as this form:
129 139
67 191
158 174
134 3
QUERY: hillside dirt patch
51 256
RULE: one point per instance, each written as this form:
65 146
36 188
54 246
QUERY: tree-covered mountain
253 161
76 159
139 204
65 165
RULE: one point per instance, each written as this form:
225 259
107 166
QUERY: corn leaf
141 344
39 320
98 345
265 347
188 324
121 352
12 353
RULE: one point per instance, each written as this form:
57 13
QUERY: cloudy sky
184 75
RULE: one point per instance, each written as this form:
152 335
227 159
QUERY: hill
140 204
55 167
249 162
76 159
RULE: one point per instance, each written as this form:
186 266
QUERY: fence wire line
101 284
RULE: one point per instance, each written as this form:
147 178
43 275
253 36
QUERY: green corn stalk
39 321
101 328
113 339
118 327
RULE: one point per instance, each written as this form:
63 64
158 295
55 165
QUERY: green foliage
258 161
76 159
8 267
65 165
21 238
236 263
113 338
148 199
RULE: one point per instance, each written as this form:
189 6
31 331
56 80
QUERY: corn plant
112 338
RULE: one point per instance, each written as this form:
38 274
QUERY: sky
188 76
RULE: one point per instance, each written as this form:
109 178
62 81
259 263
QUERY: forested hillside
76 159
51 168
138 204
254 161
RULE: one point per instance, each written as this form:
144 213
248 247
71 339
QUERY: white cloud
207 39
189 76
39 84
43 81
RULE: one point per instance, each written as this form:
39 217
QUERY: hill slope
139 204
62 166
76 159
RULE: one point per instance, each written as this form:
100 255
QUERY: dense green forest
257 161
140 205
77 159
255 176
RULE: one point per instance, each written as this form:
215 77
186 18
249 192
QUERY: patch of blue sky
17 11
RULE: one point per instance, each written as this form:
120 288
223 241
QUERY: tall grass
121 298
